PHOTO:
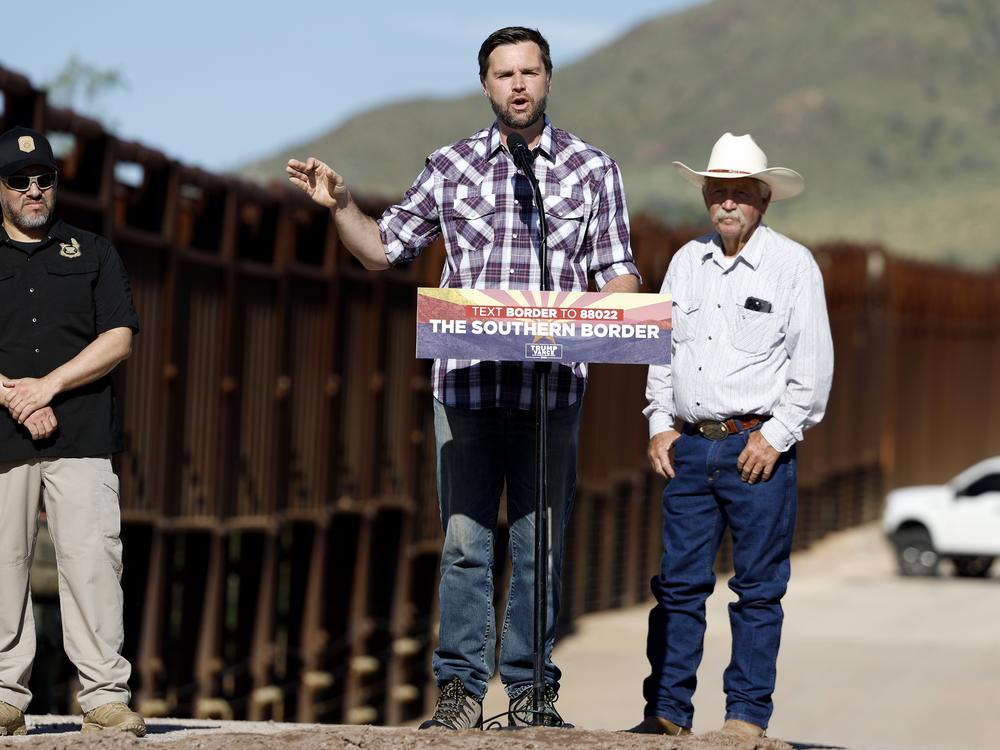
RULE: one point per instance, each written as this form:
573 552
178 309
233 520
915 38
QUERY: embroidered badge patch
26 143
70 249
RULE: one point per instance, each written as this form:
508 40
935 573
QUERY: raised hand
319 182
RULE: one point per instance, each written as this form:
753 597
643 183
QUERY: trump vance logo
543 351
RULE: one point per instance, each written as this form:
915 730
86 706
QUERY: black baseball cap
24 147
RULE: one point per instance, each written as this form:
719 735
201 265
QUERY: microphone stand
541 387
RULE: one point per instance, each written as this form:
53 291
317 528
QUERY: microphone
520 154
524 159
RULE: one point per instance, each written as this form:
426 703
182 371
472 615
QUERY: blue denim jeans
478 452
706 495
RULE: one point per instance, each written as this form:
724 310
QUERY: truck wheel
972 566
915 553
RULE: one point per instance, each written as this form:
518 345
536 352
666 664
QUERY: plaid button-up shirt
472 193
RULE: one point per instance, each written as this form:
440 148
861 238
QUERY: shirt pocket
473 222
71 284
8 293
8 278
564 218
684 319
754 333
9 299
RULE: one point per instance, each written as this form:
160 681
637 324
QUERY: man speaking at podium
472 193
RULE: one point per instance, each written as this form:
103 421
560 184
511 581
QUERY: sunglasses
22 182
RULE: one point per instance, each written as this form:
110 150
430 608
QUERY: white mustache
722 214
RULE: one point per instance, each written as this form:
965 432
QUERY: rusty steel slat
837 426
340 618
807 519
367 680
412 650
373 328
652 531
396 473
263 703
616 520
314 636
309 403
140 384
336 476
208 657
149 665
633 570
360 383
593 549
428 529
603 560
198 471
398 690
185 562
359 625
578 548
258 350
297 538
434 624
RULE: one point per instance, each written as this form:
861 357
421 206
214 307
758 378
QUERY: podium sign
515 325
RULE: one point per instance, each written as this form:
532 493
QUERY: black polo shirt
56 296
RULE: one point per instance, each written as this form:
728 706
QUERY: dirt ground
198 735
869 661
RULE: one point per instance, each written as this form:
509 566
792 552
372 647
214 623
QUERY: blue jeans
706 495
478 451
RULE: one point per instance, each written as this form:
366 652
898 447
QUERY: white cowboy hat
739 156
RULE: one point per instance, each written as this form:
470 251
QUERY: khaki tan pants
81 500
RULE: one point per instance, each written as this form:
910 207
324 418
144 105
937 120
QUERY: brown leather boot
740 728
659 725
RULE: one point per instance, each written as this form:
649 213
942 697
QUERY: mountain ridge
889 110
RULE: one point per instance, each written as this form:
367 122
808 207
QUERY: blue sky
217 83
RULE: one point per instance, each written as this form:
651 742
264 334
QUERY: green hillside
890 108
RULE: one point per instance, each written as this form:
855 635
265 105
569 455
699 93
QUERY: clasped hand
27 400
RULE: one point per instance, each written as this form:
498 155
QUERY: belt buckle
714 430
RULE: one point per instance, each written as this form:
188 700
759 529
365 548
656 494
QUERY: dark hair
512 35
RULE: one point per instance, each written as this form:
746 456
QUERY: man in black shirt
66 320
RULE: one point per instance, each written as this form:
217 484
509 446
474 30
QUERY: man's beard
519 121
21 220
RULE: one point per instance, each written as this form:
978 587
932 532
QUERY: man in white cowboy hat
751 367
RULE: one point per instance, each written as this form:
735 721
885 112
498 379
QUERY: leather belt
713 430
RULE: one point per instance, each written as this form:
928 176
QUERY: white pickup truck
959 521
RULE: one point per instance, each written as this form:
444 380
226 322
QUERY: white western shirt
727 360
